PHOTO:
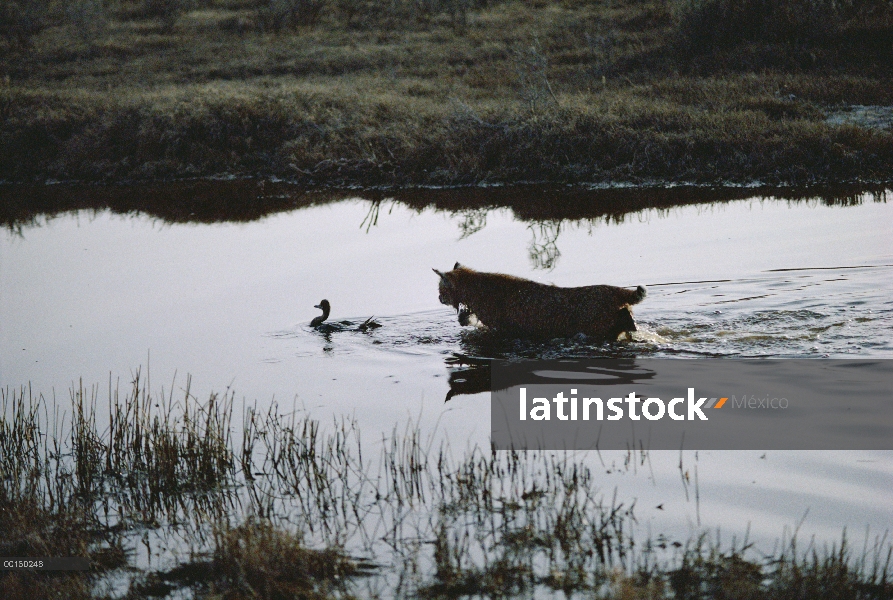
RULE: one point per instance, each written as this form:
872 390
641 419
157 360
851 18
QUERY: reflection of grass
389 93
286 510
246 200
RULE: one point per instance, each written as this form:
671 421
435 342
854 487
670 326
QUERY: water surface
94 295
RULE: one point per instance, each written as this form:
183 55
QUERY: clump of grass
274 563
256 560
515 521
707 571
151 456
716 574
155 449
42 512
834 572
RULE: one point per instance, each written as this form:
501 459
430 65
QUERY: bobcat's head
449 295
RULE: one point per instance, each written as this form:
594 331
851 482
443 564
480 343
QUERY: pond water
94 295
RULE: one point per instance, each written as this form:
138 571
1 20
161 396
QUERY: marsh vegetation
452 92
279 505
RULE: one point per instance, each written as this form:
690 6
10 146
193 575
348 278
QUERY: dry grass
273 516
523 91
256 560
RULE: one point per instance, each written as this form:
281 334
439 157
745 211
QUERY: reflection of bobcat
525 307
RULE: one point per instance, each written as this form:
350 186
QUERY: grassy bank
346 92
275 505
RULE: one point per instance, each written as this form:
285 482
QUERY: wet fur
520 306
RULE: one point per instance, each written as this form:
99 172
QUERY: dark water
95 295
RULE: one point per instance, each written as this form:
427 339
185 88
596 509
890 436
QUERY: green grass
565 92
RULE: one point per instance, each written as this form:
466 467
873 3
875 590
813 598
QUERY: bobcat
524 307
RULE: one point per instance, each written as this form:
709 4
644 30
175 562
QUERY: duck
326 308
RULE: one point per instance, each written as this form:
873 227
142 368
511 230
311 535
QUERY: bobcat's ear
456 266
444 279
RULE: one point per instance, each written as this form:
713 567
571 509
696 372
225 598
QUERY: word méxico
652 408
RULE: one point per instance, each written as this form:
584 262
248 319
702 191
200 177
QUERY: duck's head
324 306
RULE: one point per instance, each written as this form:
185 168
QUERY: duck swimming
325 307
320 324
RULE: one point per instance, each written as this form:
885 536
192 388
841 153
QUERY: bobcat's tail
638 295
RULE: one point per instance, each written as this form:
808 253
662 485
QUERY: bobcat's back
522 306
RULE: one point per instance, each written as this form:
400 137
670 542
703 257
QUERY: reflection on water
93 293
226 201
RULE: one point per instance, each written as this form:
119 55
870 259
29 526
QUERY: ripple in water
814 313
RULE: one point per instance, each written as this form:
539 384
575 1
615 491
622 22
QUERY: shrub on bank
167 11
275 15
88 18
710 24
21 20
